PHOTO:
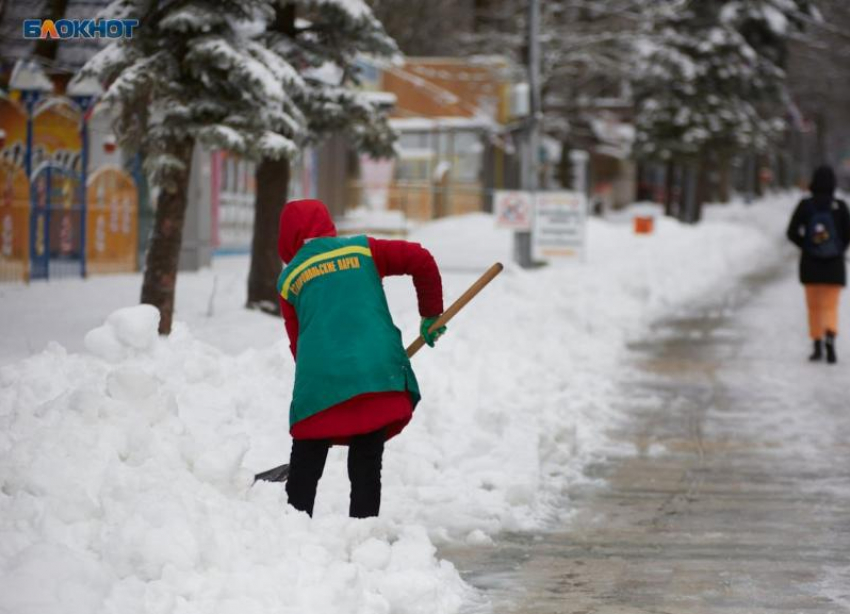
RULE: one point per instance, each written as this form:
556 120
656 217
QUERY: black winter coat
821 270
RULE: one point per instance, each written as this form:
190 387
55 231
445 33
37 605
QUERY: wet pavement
732 490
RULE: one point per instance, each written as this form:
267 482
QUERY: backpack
822 239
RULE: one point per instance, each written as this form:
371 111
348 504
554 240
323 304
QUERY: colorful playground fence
49 230
14 223
112 222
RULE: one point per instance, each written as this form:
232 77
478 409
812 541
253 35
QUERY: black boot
831 358
818 353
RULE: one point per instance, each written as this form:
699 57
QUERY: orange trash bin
644 225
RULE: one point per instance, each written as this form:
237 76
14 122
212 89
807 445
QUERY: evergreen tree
325 39
767 24
711 82
193 73
699 87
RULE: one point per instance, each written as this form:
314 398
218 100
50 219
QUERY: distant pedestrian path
733 491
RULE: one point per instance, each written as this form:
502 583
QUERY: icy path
732 492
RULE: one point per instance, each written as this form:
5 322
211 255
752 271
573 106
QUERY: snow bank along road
731 493
126 459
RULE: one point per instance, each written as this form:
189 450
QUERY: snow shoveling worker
820 227
353 382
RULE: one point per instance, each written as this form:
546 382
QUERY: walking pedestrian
354 384
820 227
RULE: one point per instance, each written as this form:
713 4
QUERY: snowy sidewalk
126 462
731 492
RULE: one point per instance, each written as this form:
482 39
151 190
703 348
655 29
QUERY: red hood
302 220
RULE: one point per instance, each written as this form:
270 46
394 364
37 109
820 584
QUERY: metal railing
57 224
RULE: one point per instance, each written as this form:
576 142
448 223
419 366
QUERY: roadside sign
513 209
559 225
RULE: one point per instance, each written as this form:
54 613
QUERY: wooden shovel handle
459 304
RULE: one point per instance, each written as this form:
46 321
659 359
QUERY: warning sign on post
513 209
559 225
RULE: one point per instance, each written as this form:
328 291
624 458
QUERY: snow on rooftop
382 98
414 124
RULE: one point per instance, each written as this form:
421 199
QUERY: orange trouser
822 301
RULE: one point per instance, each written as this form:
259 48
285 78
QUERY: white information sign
513 209
559 225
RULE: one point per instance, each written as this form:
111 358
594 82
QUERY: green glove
429 337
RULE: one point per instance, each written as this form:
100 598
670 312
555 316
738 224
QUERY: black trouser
307 463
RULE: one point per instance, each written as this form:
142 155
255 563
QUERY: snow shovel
279 474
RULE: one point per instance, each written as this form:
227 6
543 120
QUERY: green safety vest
347 342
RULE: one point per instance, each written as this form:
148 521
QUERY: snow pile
520 394
126 470
123 489
132 328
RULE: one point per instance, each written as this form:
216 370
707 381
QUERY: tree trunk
725 179
272 181
164 250
48 47
669 184
687 193
565 166
758 188
703 187
272 188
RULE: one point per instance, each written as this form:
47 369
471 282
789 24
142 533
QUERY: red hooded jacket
302 220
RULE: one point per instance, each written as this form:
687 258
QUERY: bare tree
433 28
819 81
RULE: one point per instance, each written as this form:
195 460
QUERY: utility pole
531 153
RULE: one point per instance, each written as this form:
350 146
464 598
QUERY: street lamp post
84 92
530 179
32 83
28 79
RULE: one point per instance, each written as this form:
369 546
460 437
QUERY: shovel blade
278 474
